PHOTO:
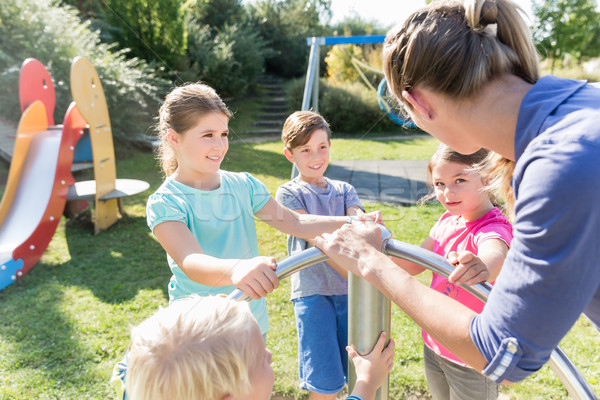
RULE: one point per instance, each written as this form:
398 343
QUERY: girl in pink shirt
474 236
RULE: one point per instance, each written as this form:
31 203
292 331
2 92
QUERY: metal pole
560 364
316 59
369 314
312 72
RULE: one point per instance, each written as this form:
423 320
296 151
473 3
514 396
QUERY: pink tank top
452 233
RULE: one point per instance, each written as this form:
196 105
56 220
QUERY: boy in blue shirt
319 293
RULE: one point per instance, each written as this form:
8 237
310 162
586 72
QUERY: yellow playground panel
106 190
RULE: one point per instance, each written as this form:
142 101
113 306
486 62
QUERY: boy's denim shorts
322 323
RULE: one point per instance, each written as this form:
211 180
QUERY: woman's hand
352 245
256 277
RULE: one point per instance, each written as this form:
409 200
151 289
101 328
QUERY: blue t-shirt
222 220
552 271
334 200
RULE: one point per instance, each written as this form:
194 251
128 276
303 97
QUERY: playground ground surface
65 324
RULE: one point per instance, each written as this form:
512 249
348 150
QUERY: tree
566 27
217 13
285 25
153 30
54 34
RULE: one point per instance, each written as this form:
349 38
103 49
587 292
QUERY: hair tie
491 29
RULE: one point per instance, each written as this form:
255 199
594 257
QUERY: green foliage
55 35
216 13
348 107
87 8
153 30
284 25
230 60
339 65
340 68
566 27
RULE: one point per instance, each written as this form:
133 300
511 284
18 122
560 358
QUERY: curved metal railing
561 365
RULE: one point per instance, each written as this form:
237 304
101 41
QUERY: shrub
216 13
349 107
340 68
55 35
285 25
231 60
153 30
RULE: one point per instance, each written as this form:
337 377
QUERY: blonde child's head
182 108
299 127
197 348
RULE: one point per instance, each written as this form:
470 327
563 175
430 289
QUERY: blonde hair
478 162
197 348
457 47
299 126
182 108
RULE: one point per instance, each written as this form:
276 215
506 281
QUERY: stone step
269 124
272 86
275 101
270 80
281 116
283 108
275 93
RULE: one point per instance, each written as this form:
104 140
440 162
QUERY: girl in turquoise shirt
204 216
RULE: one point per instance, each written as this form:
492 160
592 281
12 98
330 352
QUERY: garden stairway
274 108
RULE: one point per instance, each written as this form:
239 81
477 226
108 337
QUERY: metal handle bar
288 266
299 261
561 365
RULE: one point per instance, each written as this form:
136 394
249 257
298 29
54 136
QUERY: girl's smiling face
201 149
460 190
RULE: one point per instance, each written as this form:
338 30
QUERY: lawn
65 324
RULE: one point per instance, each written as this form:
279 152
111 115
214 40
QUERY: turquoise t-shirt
222 220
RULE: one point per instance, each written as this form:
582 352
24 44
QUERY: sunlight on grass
66 323
419 148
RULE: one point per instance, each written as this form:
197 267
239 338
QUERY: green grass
65 324
401 148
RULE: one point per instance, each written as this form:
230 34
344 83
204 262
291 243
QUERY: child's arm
356 211
256 276
372 369
485 266
412 268
304 226
342 271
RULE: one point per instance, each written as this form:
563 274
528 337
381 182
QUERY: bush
231 60
341 70
55 35
349 107
152 30
216 13
285 25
